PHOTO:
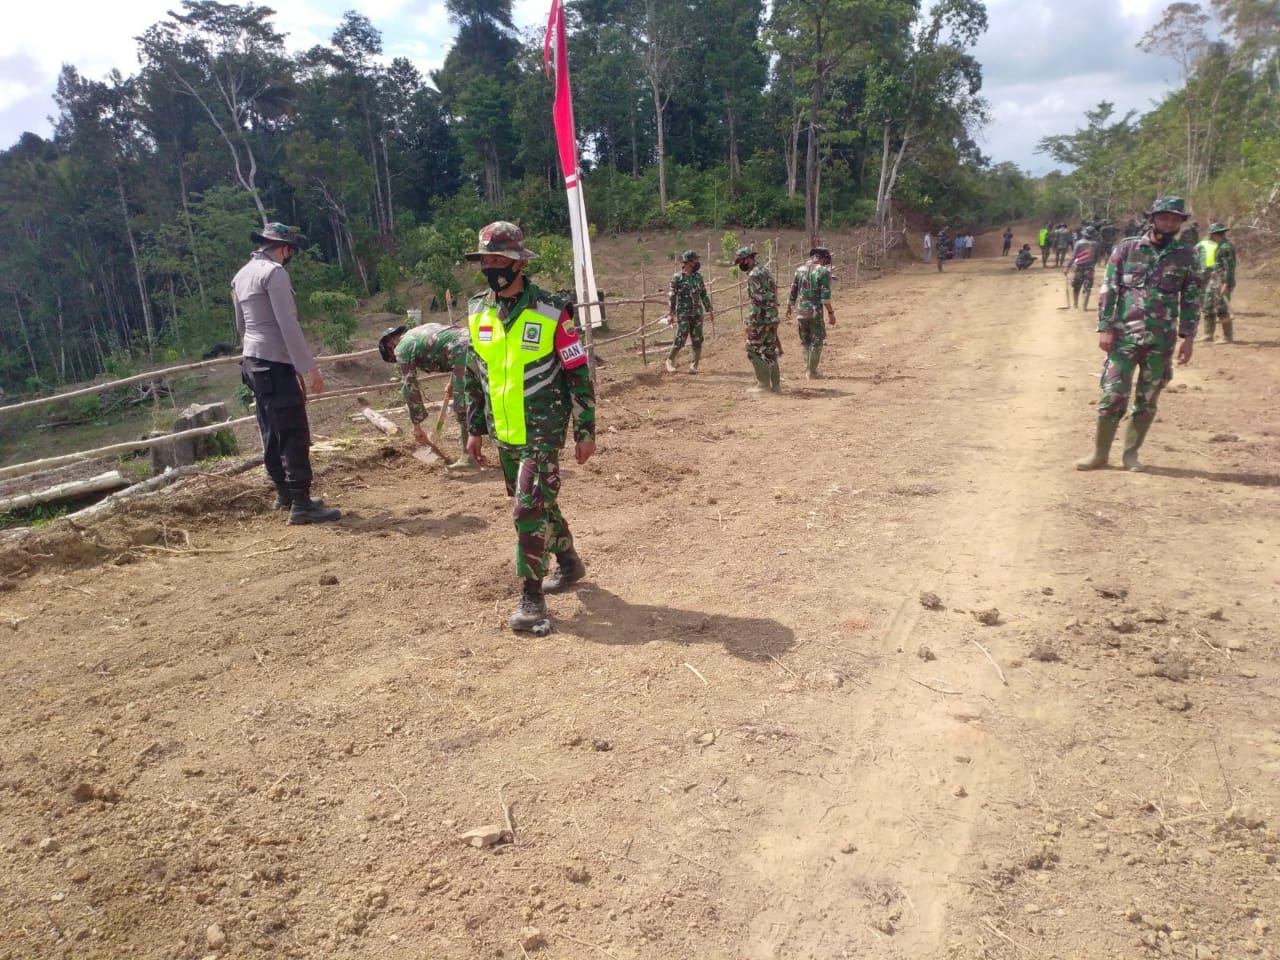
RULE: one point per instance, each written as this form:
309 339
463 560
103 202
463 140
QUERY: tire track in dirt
866 859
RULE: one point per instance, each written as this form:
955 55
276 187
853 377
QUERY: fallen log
70 490
382 423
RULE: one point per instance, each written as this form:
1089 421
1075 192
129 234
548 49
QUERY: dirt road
750 736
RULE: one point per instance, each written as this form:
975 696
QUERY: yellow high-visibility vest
1208 253
518 362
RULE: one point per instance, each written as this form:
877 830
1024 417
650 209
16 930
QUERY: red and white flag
557 64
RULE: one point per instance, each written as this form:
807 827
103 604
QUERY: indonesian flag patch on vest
484 334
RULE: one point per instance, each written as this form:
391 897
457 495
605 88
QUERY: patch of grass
40 515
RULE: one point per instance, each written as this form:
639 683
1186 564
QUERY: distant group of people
959 247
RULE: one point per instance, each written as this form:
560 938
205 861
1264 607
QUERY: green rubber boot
815 354
1210 325
1227 333
671 360
775 377
762 376
1106 434
1134 435
464 461
697 356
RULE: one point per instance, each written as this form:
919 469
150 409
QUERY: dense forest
120 232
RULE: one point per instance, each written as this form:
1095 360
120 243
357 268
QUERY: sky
1044 63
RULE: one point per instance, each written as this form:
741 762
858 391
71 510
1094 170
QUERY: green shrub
337 318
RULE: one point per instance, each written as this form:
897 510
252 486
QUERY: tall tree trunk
811 213
191 233
734 161
792 151
659 108
386 172
379 209
147 320
884 174
26 339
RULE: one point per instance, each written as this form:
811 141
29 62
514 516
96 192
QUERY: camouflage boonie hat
1217 228
743 253
385 349
1169 205
502 239
279 233
689 255
820 252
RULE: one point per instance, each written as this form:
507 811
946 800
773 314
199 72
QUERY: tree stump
182 453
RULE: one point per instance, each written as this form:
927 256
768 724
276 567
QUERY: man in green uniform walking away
1217 259
1150 299
763 347
1084 257
687 303
429 348
810 295
529 378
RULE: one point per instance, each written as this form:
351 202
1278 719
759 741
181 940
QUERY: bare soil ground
861 670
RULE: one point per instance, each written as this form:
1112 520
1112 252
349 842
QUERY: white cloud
13 92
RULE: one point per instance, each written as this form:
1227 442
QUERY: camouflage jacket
1062 239
1224 267
1150 293
687 298
811 289
547 411
430 348
1084 253
762 291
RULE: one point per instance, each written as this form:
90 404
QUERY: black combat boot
569 570
284 498
532 609
305 510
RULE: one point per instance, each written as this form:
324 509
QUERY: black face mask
1161 240
744 267
500 277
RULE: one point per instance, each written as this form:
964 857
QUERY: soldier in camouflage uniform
687 303
763 346
1217 260
811 289
1084 257
429 348
941 243
1061 244
1150 298
527 379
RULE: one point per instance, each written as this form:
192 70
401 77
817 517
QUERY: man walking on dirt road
810 295
1084 257
763 347
429 348
687 302
278 367
1150 298
1218 277
530 377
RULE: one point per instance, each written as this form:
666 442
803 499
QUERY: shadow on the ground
1186 473
607 618
453 525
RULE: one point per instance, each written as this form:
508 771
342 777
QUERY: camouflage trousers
1083 280
687 329
1215 301
813 331
763 343
1059 255
533 483
1154 366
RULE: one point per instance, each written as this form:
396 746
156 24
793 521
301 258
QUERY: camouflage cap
1169 205
743 253
689 255
385 348
279 233
502 239
1217 228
